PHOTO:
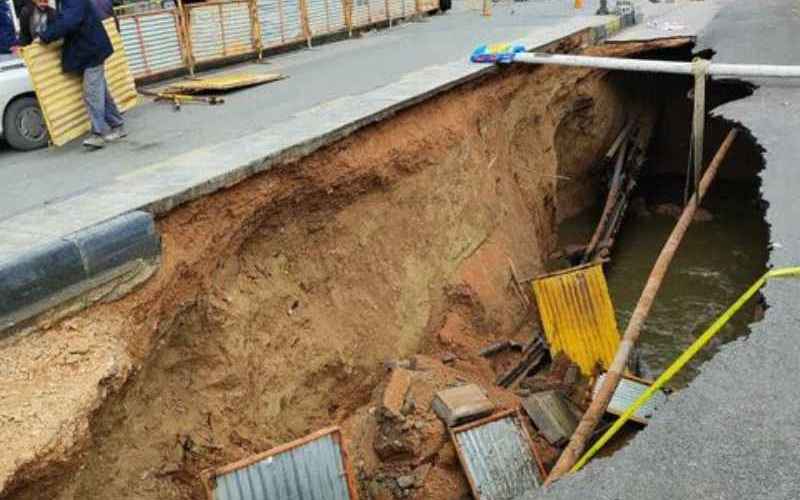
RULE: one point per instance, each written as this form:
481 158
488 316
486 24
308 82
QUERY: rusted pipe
600 402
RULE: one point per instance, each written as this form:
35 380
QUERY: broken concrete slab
461 404
551 416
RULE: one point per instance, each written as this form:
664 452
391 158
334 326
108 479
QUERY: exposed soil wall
278 300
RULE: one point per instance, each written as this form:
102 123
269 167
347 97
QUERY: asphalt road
734 432
349 67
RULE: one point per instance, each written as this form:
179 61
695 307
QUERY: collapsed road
351 286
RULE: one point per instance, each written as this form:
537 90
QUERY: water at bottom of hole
716 262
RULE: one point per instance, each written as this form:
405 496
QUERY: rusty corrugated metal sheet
280 22
219 30
325 16
498 457
152 42
578 316
627 392
60 94
312 468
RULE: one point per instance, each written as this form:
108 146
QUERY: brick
461 404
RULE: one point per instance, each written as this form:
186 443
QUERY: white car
21 121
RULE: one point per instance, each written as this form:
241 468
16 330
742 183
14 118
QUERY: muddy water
716 262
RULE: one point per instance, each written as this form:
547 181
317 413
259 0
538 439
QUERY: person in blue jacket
8 35
86 47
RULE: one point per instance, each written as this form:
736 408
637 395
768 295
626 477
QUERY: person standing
86 47
34 18
8 35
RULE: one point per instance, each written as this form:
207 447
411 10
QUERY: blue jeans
102 109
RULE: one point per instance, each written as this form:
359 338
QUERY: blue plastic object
496 53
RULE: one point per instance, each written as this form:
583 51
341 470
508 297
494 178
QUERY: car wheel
24 126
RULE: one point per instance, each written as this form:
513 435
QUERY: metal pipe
653 66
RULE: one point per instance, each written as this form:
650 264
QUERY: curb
63 268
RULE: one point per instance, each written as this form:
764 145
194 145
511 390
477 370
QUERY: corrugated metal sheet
60 94
152 42
578 317
325 16
629 391
409 7
498 457
366 12
396 9
221 82
280 22
220 30
313 468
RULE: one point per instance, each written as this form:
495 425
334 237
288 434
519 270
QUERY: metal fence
152 42
160 38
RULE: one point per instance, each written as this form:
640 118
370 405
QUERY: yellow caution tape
684 358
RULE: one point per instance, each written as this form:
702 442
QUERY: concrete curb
57 252
63 268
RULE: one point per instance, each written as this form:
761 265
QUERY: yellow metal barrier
60 94
578 316
684 358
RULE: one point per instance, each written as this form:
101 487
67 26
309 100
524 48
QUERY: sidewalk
327 72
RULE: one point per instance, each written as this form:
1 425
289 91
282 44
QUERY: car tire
24 126
444 5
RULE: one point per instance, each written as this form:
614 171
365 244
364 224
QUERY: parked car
21 121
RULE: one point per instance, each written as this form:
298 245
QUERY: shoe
116 134
94 142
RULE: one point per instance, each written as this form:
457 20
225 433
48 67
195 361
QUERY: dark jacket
25 15
8 36
86 42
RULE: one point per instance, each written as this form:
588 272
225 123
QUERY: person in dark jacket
34 17
86 47
8 35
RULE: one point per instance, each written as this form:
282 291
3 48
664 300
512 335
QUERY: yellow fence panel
60 94
578 316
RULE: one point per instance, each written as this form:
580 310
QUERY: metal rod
600 401
653 66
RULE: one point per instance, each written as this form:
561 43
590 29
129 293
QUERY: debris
578 317
448 358
498 457
406 482
533 356
551 416
461 404
628 391
394 395
319 458
495 348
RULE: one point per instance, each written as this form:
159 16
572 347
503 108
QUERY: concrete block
65 267
116 242
550 414
461 404
37 274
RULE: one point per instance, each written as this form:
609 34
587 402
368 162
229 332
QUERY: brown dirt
279 299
